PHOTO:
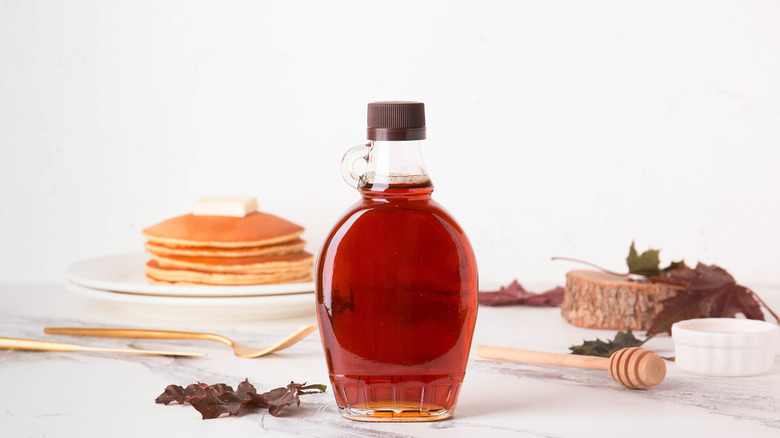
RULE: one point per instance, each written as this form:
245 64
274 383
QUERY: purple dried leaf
220 399
210 405
709 291
515 294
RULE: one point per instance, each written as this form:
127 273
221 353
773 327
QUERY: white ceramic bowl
725 346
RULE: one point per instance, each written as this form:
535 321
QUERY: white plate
127 273
202 308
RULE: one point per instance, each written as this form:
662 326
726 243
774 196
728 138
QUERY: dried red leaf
281 397
216 400
710 291
748 303
177 394
682 306
515 294
210 405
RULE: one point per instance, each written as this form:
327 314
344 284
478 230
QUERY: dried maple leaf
605 349
648 263
675 265
515 294
644 264
678 308
213 401
711 292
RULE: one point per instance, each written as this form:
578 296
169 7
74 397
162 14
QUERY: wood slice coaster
595 299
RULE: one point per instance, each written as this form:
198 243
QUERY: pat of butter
225 206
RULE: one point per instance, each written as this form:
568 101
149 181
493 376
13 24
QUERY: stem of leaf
755 295
591 265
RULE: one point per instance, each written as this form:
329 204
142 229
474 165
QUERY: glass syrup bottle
396 282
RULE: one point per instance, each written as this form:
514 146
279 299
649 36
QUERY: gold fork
238 349
36 345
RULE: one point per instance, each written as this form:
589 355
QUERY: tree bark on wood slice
595 299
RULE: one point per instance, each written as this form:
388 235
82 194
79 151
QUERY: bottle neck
396 167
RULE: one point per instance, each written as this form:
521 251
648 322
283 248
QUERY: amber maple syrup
396 298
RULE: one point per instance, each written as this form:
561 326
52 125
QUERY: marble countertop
91 394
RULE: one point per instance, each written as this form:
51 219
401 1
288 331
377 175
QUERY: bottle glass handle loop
353 155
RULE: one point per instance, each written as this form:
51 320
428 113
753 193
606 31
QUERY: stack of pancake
258 248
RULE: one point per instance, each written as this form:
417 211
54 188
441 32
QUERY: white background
555 128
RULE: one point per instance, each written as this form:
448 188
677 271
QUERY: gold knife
31 344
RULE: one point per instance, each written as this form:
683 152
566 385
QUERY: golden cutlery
238 349
31 344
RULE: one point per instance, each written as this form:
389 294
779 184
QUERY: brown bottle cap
396 121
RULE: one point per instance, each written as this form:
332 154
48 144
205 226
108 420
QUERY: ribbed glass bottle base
396 398
396 415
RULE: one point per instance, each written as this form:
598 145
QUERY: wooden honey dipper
633 367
